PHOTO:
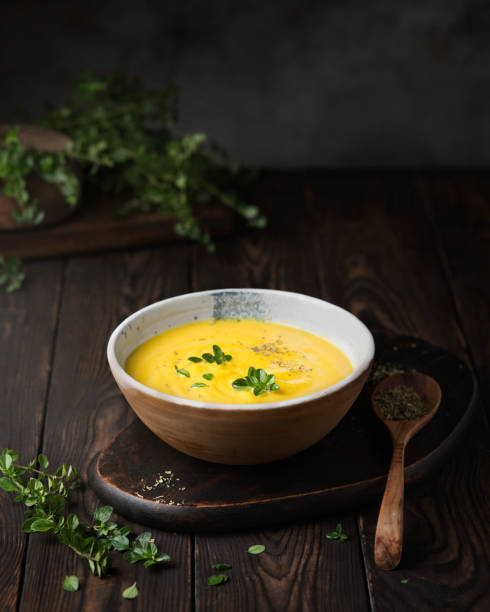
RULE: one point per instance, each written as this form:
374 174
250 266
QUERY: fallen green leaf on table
70 583
256 549
216 579
131 592
338 534
47 495
221 566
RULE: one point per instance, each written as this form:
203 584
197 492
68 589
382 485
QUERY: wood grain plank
27 324
390 275
85 410
446 554
301 570
460 212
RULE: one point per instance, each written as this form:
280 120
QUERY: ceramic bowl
243 433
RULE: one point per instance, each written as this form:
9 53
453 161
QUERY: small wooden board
96 227
153 484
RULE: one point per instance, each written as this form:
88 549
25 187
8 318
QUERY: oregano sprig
217 356
257 380
47 495
338 534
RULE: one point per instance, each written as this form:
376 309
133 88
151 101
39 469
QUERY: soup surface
301 362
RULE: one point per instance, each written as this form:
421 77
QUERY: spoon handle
389 530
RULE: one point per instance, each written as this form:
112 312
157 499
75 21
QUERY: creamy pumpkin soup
237 361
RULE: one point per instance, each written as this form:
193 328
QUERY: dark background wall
286 83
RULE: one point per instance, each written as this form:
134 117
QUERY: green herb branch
46 496
124 129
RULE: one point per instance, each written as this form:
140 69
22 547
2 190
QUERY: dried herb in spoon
400 403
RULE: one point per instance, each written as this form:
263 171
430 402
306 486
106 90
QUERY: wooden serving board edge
290 509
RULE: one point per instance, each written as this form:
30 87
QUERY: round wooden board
151 483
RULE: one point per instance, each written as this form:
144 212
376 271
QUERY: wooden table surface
407 251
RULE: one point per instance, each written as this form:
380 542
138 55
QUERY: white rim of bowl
132 382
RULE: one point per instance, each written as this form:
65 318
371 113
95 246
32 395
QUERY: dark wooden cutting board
153 484
97 227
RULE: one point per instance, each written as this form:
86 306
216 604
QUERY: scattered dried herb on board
400 403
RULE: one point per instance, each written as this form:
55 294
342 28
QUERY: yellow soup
302 363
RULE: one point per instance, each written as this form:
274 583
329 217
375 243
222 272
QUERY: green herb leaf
103 514
208 357
241 384
70 583
256 549
182 371
120 542
257 380
42 524
208 376
221 566
198 384
131 592
194 359
6 484
404 580
216 579
43 461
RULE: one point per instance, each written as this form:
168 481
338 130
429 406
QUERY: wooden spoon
389 530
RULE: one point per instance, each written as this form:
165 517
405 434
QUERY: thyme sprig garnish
47 496
217 357
257 380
